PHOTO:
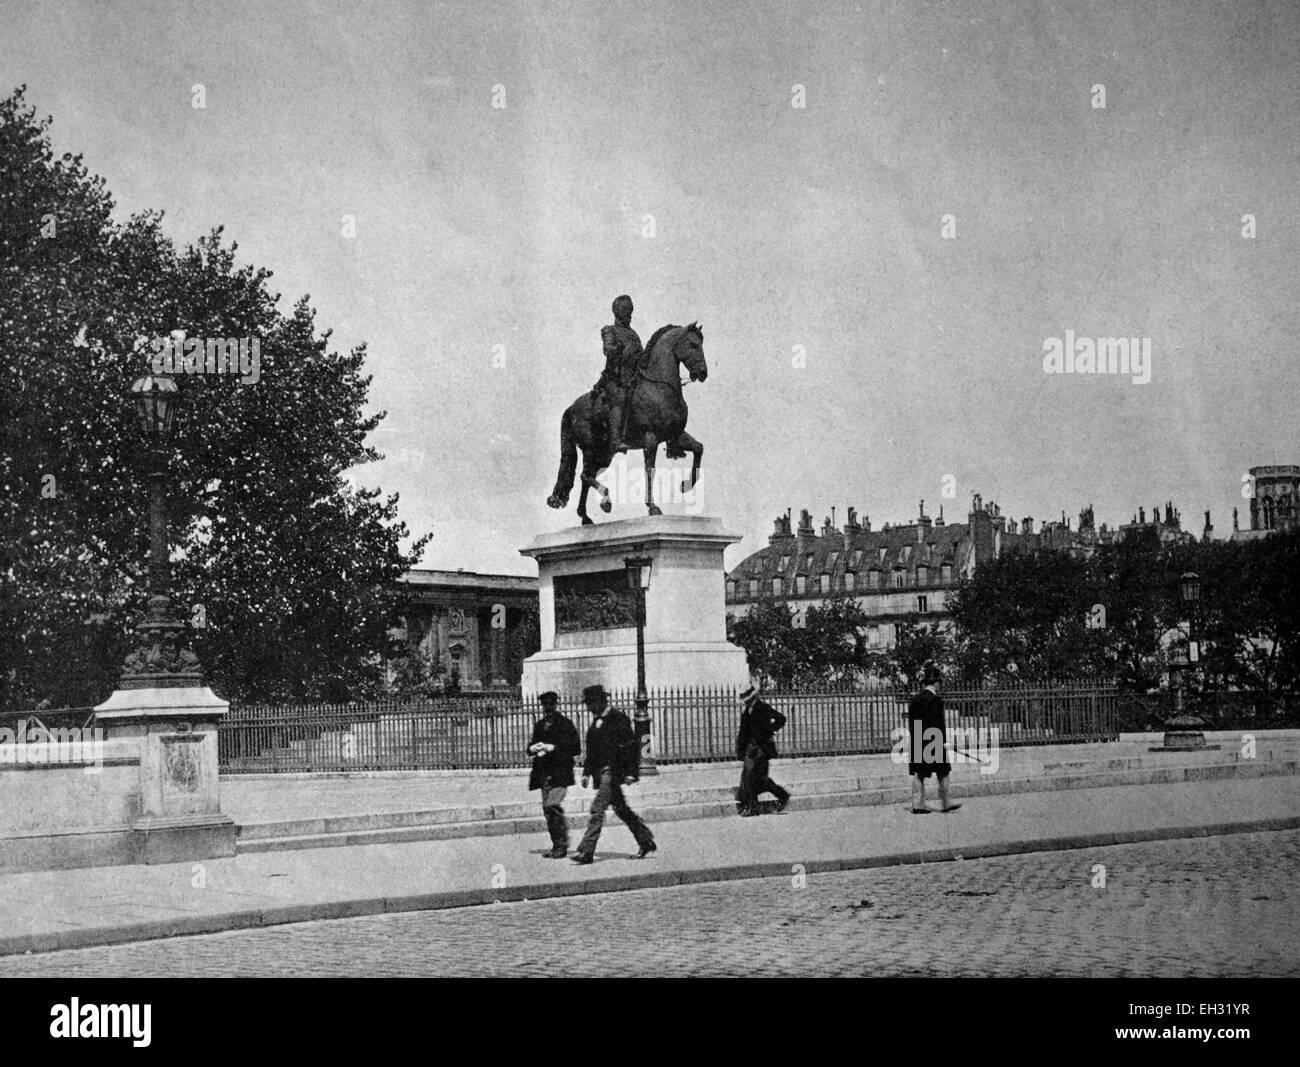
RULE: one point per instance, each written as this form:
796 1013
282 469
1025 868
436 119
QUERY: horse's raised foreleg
686 443
650 448
605 504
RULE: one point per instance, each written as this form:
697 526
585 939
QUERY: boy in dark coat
928 739
755 744
554 746
614 760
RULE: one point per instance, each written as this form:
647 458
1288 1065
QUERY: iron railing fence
1220 710
492 729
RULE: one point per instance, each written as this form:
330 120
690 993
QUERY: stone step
518 818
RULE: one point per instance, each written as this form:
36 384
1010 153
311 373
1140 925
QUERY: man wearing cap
613 760
929 740
553 747
756 745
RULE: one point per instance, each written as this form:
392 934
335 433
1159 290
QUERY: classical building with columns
477 627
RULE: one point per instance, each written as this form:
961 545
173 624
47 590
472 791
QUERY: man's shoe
922 811
782 804
747 813
950 807
646 849
581 857
557 853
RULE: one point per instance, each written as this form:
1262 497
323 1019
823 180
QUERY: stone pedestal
685 630
179 816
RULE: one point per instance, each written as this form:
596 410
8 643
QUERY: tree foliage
1025 614
293 565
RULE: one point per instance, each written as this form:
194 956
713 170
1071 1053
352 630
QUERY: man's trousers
609 793
754 780
553 811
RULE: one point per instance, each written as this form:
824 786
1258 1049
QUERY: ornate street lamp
160 660
161 709
638 580
1185 731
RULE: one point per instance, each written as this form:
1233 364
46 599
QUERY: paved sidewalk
68 909
285 797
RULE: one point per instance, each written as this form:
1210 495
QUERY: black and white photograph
657 489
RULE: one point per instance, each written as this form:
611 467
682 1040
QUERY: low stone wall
106 802
60 806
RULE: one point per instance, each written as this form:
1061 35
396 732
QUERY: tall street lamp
161 659
638 579
1185 731
161 709
1190 587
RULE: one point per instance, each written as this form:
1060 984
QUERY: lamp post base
641 723
1185 733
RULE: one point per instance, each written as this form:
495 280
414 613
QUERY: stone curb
348 909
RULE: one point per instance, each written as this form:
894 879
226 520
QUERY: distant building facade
904 572
476 627
1275 498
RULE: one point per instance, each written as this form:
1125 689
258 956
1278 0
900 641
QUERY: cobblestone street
1223 906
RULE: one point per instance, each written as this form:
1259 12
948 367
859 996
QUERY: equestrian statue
636 404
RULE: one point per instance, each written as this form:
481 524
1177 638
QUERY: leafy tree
1025 614
293 565
415 674
916 645
828 649
1131 579
774 646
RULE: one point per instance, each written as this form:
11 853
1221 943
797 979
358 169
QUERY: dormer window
753 588
857 558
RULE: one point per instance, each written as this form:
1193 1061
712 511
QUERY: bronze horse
656 413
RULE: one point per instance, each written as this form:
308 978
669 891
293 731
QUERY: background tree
1131 579
916 644
1025 614
774 646
294 566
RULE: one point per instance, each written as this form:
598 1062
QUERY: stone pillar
163 706
685 628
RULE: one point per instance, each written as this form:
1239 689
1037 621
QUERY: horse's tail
568 462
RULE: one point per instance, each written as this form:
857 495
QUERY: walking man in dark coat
554 746
756 745
928 739
613 760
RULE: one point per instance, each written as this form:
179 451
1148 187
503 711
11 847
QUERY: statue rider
622 353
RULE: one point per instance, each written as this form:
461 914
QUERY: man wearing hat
928 739
613 760
756 745
553 747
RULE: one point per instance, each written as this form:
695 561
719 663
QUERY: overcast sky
777 226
